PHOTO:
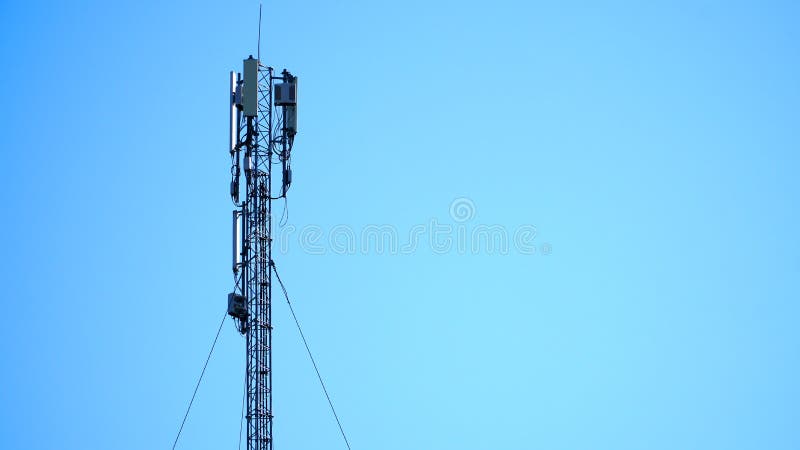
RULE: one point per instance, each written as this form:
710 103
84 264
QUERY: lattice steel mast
262 125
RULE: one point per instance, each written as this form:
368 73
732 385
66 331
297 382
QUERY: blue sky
653 145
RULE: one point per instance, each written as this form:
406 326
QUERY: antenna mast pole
263 126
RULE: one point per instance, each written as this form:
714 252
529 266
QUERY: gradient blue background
653 144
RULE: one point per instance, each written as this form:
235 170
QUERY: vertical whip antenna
258 47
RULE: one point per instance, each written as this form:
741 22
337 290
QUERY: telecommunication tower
263 123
